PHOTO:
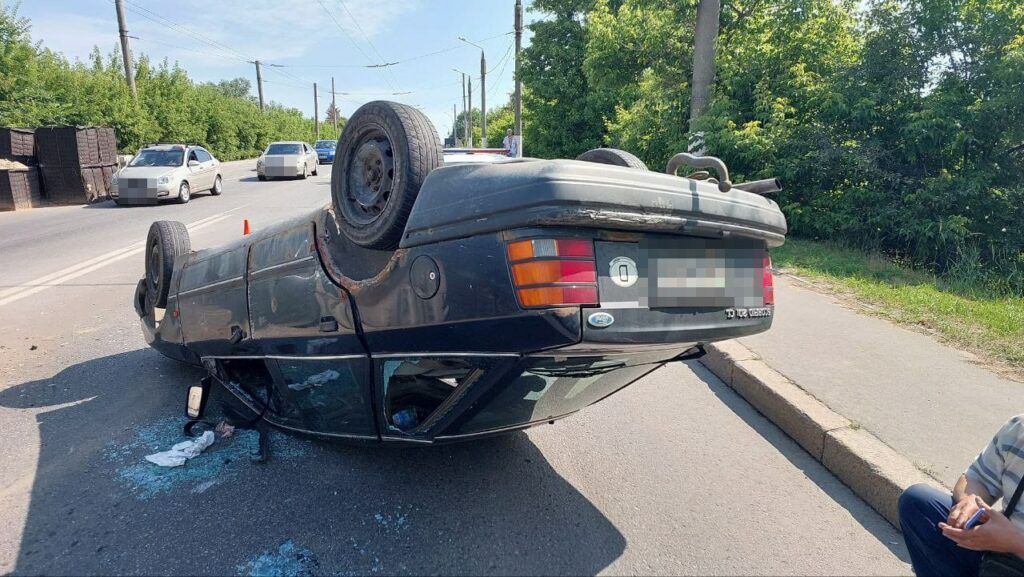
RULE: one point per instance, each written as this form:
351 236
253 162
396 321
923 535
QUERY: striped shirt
1000 466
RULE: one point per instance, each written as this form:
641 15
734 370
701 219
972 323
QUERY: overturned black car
430 303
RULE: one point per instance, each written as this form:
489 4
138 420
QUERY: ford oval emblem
600 320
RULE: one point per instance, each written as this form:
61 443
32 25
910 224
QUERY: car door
311 158
197 174
209 164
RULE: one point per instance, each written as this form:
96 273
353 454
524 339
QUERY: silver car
287 159
165 171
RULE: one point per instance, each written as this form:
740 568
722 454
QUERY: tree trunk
704 35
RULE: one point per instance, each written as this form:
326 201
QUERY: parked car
286 160
325 150
165 171
429 303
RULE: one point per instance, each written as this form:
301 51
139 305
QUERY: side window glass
203 155
326 395
192 156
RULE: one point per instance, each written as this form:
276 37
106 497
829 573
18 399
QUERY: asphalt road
675 475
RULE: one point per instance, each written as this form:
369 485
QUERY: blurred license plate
700 273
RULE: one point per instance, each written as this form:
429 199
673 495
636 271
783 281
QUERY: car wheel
316 169
218 186
305 172
167 241
384 154
184 193
260 177
612 156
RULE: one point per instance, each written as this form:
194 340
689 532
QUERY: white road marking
83 268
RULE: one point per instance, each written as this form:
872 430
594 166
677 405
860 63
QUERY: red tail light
553 272
768 283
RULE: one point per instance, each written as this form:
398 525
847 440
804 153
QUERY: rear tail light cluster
550 272
767 282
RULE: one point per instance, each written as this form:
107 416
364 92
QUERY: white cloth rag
182 452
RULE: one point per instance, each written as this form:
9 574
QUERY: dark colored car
325 150
431 303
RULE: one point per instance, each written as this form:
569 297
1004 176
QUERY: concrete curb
872 469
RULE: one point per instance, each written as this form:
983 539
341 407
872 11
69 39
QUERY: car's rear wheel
260 177
167 241
218 186
184 193
316 169
612 156
305 172
383 156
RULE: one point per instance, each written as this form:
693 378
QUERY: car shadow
874 523
94 506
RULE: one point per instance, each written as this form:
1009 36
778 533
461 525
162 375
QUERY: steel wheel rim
217 184
370 178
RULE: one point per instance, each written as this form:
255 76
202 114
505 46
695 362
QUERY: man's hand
997 533
962 511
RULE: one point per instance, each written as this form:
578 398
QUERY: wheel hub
371 178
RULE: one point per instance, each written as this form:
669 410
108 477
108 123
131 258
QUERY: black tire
184 193
612 156
218 186
167 241
383 156
260 177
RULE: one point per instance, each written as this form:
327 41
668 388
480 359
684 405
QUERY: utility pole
316 113
465 114
334 106
455 116
469 117
519 84
483 100
126 50
483 91
259 83
704 35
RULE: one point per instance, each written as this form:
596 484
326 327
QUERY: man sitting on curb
933 522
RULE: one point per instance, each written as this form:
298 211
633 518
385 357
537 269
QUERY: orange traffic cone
245 228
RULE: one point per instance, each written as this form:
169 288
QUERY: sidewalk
924 399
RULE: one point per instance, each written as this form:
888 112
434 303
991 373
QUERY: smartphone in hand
974 519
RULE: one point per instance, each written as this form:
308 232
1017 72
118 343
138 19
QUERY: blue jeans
932 553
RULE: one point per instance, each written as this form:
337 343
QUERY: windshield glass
158 158
281 148
326 144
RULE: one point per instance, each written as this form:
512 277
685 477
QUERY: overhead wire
387 70
352 40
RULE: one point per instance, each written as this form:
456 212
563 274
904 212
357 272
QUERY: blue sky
212 39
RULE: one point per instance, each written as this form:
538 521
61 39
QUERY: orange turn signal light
550 248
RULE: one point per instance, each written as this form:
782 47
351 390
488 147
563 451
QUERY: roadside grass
968 317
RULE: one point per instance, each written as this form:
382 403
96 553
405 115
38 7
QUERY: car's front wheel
167 241
184 193
218 186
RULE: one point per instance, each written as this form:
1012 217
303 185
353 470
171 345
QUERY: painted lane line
47 279
71 273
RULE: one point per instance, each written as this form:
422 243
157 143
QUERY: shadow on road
874 523
488 507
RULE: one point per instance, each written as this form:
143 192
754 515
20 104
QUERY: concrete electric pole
483 91
316 113
469 117
465 112
126 50
519 84
334 106
259 83
704 34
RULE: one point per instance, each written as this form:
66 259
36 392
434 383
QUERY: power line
352 40
387 71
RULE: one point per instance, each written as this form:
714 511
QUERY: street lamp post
483 91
